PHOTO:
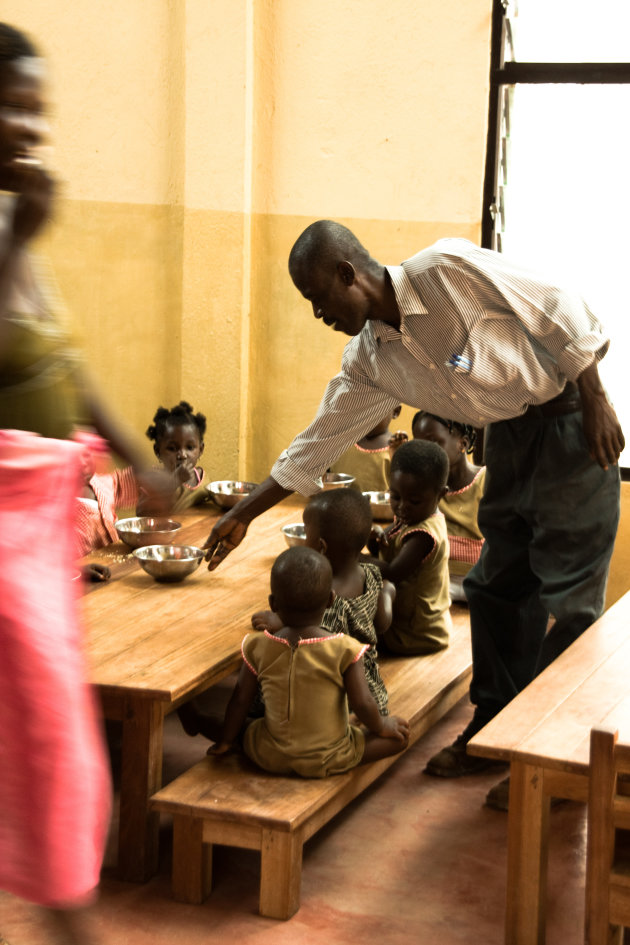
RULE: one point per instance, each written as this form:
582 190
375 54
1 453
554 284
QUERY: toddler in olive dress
308 676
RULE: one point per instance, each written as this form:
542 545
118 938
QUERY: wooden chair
608 843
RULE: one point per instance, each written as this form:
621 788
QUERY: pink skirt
55 793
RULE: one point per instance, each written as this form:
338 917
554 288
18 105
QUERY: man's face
336 296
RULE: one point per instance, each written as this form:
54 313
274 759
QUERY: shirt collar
408 301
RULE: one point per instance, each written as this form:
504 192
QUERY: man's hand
602 429
226 535
230 530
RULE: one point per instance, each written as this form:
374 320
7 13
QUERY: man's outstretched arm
232 527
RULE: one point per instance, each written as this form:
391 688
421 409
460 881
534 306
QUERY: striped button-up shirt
480 340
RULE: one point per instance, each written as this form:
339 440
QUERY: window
557 186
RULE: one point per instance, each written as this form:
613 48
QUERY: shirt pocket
496 352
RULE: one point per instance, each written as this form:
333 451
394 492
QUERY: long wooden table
544 734
153 646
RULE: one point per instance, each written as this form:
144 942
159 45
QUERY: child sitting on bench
338 523
307 675
414 550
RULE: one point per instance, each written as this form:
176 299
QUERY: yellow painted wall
619 575
195 139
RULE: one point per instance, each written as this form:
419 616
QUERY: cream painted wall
196 138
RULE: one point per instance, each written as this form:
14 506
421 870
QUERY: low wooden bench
229 801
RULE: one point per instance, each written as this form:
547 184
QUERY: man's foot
454 761
498 797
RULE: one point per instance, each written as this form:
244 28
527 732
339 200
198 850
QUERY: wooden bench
229 801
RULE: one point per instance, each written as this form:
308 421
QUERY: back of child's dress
305 729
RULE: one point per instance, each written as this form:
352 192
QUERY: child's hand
377 540
396 439
266 620
97 573
395 727
183 472
221 748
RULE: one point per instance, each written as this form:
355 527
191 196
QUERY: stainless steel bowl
138 532
336 481
379 503
169 562
227 492
294 534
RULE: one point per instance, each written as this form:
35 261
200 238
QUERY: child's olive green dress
422 619
305 729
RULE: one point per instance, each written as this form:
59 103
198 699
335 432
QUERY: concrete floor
414 860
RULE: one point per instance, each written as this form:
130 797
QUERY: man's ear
346 271
323 546
443 493
271 604
332 598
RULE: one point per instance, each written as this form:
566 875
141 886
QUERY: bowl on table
138 532
337 481
227 492
169 562
294 534
379 504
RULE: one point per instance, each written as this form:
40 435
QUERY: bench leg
280 873
192 861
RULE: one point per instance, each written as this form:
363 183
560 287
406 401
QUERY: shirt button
432 366
453 397
482 419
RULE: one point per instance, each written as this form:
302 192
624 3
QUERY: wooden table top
165 641
549 722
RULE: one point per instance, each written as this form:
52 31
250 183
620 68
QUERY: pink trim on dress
361 449
470 484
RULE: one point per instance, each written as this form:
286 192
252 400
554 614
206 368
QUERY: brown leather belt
566 402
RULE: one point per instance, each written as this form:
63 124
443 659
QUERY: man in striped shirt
464 333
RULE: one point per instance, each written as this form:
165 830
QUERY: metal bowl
379 504
294 534
227 493
169 562
337 480
138 532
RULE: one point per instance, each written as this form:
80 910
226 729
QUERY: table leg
528 823
141 776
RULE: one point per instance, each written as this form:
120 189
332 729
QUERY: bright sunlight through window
567 193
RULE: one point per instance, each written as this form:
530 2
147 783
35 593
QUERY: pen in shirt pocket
458 362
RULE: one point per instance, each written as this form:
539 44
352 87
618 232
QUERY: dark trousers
549 516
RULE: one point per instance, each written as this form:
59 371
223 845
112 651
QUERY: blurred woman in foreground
55 787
